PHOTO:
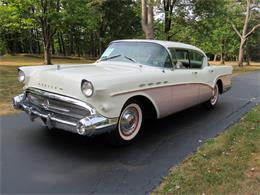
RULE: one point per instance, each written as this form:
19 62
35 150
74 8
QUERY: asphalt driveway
37 160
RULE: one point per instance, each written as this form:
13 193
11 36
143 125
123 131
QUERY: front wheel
211 103
129 124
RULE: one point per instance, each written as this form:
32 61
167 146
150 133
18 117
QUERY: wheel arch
148 103
220 85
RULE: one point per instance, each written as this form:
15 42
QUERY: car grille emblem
46 104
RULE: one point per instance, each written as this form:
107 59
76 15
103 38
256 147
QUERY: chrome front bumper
88 125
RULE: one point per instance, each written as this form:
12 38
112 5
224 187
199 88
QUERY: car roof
166 44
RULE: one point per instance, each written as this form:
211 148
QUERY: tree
147 18
168 6
46 12
246 33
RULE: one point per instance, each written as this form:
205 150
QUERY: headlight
21 76
87 88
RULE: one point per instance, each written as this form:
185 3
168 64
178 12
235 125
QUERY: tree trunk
222 56
168 7
215 58
78 47
71 44
147 19
245 34
241 53
222 61
247 55
31 42
52 47
62 45
247 60
47 53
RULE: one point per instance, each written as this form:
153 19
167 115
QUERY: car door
199 66
183 79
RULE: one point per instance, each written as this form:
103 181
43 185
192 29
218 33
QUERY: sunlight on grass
227 164
9 86
29 60
254 66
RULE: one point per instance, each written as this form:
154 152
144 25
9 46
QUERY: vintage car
133 80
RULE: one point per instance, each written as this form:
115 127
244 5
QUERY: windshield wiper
111 57
131 59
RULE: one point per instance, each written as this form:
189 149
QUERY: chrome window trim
188 50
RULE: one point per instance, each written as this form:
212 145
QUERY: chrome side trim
170 85
161 86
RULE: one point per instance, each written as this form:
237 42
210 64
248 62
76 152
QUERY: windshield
137 52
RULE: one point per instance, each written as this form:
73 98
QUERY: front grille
57 107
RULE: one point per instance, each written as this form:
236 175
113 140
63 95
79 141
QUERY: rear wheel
129 124
211 103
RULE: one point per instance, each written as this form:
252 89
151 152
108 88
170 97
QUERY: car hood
66 79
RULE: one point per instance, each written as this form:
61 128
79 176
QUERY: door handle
194 72
211 70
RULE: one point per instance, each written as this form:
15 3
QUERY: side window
196 59
174 60
163 59
182 57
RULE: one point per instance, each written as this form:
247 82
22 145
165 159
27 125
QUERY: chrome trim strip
156 87
168 85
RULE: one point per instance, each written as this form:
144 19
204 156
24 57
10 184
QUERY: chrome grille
58 107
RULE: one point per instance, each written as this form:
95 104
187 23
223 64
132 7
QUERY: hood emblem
50 86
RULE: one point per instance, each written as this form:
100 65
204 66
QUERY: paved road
35 160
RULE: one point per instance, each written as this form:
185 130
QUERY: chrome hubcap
129 121
215 95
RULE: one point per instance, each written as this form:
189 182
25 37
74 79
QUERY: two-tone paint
169 90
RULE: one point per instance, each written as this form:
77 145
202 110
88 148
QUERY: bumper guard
89 125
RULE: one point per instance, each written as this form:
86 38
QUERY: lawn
29 60
254 66
227 164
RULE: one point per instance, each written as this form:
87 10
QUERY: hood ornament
58 67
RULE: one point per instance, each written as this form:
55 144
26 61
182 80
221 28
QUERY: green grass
24 60
9 87
254 66
227 164
241 70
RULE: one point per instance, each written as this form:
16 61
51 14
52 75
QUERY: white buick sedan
133 81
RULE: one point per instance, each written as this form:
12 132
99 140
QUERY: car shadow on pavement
154 136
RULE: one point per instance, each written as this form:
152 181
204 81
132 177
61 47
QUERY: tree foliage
85 27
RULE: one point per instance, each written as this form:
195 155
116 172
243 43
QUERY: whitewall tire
211 103
129 124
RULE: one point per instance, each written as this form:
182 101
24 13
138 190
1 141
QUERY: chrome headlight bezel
21 76
87 88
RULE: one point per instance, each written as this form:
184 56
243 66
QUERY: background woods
225 29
